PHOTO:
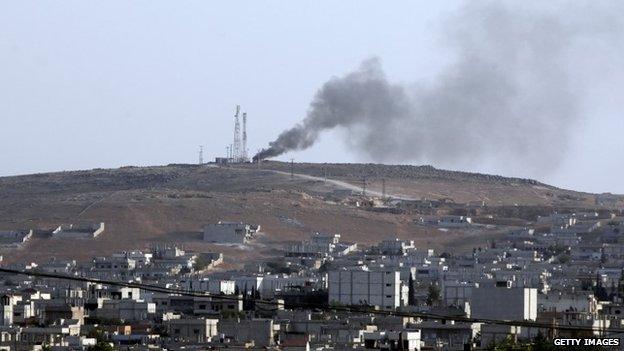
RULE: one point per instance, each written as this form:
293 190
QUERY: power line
352 309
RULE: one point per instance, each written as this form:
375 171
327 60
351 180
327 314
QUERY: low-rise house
212 286
78 231
194 305
14 238
192 330
393 340
229 232
260 331
126 310
446 221
447 335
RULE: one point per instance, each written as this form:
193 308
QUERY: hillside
429 182
150 206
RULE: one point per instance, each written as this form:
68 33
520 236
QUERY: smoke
512 95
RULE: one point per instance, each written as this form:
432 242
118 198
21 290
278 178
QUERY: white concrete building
362 287
192 329
78 231
212 286
457 293
229 232
14 238
504 302
126 310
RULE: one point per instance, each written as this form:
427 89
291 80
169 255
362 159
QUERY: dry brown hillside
169 204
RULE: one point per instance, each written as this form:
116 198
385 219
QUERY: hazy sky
105 84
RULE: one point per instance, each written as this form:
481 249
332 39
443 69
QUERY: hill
146 206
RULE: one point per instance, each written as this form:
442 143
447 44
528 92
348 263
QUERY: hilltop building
229 232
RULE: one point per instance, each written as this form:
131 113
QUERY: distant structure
230 232
201 154
237 151
14 238
78 231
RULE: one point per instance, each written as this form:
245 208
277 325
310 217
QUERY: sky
107 84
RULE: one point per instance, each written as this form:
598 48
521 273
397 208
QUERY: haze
87 85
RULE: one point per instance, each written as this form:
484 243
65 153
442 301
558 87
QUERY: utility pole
292 169
363 186
201 154
383 188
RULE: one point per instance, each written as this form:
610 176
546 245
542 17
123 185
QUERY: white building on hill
229 232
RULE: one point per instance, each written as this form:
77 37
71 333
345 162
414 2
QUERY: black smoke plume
508 97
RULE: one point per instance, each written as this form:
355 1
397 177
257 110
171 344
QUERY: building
212 286
446 221
396 247
192 329
126 310
78 231
393 340
361 287
501 301
7 309
14 238
260 331
229 232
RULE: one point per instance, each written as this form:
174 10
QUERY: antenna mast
201 154
244 151
236 146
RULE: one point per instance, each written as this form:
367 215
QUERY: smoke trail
508 97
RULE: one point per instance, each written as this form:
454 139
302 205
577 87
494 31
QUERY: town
560 276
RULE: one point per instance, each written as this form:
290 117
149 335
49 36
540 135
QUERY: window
176 331
196 331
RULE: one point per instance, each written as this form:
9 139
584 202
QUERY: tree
324 268
102 346
433 295
411 293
